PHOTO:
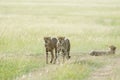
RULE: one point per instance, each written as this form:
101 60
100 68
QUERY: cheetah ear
45 38
60 37
63 37
49 38
112 47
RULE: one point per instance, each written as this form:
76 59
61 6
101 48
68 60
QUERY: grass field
89 24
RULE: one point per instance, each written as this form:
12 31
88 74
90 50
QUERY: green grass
89 24
70 72
13 66
77 70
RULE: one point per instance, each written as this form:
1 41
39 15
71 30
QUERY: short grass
13 66
78 69
89 24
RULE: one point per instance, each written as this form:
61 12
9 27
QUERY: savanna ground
89 24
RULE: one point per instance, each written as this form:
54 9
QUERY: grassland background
89 24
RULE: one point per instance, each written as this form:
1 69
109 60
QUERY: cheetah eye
45 41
